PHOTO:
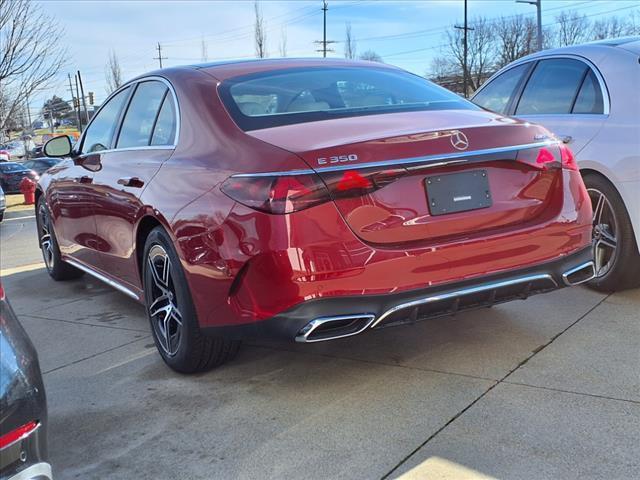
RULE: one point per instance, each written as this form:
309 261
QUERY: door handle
566 138
85 179
130 182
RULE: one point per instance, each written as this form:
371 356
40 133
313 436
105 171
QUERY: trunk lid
402 153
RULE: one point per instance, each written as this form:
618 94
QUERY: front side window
141 115
495 96
552 87
297 95
98 135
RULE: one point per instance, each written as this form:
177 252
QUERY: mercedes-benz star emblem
459 141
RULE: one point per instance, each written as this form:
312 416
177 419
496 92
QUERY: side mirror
58 147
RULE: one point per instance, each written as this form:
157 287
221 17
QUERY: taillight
568 159
17 434
292 193
277 194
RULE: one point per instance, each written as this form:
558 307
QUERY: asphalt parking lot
545 388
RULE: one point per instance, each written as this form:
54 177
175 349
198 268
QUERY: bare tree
611 27
282 47
515 38
371 56
481 56
204 54
30 54
349 43
113 72
260 33
572 28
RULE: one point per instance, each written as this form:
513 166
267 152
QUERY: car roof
631 44
225 69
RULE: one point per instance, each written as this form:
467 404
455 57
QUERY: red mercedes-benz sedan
310 200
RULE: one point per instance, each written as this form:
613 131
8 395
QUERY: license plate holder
458 192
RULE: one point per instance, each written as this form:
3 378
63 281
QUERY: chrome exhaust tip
331 328
580 274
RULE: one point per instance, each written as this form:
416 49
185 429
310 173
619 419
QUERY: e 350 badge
352 157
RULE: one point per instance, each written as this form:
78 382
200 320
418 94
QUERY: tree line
492 43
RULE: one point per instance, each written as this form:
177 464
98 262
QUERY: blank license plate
458 192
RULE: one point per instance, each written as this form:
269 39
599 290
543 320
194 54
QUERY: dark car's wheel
58 270
172 315
615 252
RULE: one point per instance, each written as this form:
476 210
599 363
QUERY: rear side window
165 128
297 95
589 98
141 115
552 87
98 135
495 96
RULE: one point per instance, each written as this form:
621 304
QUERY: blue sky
406 33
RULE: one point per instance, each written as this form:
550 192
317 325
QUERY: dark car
41 165
12 173
309 199
23 406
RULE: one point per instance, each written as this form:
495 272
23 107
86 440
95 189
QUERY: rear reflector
18 434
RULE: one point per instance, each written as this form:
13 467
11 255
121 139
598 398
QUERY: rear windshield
284 97
11 167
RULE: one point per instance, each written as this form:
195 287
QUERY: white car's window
590 96
495 95
552 87
141 115
99 133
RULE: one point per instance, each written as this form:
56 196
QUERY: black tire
1 216
57 268
623 264
184 348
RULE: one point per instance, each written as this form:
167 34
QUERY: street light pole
538 4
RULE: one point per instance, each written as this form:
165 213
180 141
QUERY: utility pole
159 57
26 97
538 4
465 69
324 42
84 103
76 109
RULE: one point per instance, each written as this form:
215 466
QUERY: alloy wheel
46 243
605 234
165 315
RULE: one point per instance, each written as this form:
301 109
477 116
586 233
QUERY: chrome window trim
432 161
463 292
102 278
133 84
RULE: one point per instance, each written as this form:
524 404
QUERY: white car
588 95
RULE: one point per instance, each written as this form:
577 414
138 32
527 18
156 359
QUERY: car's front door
146 138
564 95
72 202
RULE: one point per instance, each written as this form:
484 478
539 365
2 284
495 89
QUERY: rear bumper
337 317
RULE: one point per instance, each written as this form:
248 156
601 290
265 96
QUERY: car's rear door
72 198
145 139
566 95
